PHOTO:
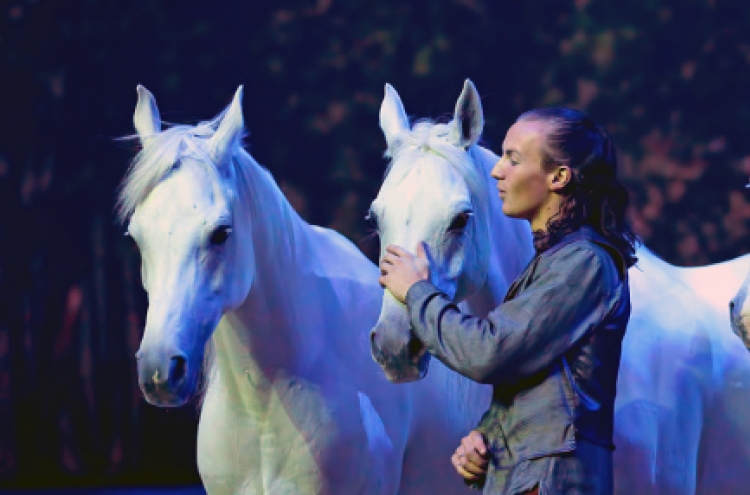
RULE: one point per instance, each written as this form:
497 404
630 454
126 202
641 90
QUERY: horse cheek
239 279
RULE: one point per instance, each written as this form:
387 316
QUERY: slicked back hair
594 196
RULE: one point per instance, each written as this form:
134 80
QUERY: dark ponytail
594 196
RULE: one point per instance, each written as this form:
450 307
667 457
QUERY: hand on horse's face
399 270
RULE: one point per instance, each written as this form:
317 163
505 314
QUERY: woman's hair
594 196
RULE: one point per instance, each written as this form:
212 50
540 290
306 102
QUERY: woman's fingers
476 439
468 454
397 251
390 259
471 466
456 460
467 475
466 471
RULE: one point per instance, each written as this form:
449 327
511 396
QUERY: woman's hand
399 270
471 457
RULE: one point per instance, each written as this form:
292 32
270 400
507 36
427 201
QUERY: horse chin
166 397
408 372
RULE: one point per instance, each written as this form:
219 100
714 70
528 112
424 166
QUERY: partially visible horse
683 391
293 402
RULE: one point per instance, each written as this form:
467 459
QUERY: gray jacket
551 352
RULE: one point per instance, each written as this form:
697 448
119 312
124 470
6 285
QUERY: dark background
669 79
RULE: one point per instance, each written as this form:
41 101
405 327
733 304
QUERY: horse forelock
161 152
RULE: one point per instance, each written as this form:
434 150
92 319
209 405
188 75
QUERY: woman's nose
496 170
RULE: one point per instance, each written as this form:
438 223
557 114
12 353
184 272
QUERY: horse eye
220 235
459 222
373 218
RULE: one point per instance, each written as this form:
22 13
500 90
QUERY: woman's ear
559 178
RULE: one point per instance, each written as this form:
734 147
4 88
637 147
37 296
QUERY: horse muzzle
402 361
164 378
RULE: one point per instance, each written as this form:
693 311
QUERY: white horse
684 382
293 402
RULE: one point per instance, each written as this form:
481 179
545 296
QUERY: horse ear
468 117
393 117
146 118
229 131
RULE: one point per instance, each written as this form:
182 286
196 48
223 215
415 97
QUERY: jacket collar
589 234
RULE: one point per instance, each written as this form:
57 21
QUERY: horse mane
162 152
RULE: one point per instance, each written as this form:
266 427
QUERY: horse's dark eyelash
464 217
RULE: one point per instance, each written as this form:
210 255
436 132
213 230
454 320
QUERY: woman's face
524 186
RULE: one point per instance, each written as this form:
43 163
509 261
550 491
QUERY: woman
552 349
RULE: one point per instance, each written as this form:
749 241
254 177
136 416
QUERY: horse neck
510 241
263 336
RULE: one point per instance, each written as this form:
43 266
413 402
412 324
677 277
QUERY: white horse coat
293 402
683 393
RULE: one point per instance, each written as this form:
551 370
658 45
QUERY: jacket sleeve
571 295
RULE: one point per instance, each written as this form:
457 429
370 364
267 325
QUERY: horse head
434 193
186 218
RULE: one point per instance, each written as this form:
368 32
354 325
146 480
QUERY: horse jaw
401 362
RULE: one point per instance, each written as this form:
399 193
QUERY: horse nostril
375 351
415 348
177 368
374 347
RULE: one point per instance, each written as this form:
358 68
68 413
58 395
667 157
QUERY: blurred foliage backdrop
669 79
